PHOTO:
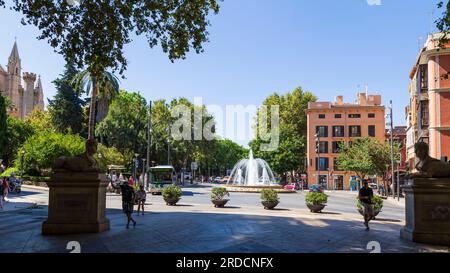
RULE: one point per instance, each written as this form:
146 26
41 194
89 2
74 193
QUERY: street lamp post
136 160
392 147
22 154
317 138
143 171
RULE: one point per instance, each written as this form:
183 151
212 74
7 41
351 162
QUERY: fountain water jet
252 175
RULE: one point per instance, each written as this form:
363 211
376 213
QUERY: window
372 130
371 115
337 116
323 147
323 164
354 131
322 131
338 131
337 147
322 116
423 68
354 115
424 114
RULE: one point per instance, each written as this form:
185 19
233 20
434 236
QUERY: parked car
217 179
316 188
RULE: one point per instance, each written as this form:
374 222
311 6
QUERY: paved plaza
194 226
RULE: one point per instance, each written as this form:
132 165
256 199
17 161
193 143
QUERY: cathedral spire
14 66
14 52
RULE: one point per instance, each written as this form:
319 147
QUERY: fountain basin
250 189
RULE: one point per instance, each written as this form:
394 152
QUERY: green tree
443 23
368 156
291 151
16 134
66 107
226 154
103 86
3 126
109 156
125 126
92 34
43 148
40 121
355 157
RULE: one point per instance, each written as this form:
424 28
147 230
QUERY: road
194 225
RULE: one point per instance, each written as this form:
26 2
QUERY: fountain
252 175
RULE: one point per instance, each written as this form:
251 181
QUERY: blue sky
258 47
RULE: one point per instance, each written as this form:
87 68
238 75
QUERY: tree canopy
367 156
65 109
94 33
291 151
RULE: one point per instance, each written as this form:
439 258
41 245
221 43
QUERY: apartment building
428 113
337 122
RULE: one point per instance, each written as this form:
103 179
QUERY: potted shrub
269 198
171 194
316 201
217 197
377 205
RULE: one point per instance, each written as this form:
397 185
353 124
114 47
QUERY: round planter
269 204
316 208
171 201
375 213
220 203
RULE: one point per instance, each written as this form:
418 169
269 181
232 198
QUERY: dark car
316 188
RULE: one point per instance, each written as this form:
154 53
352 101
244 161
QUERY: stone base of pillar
77 204
427 207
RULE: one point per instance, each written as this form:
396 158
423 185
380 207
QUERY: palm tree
102 88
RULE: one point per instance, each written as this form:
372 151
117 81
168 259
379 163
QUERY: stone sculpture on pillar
427 201
428 167
77 200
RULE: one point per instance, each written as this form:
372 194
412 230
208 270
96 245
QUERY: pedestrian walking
365 197
5 190
1 191
128 197
142 196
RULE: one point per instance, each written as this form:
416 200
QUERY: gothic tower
39 95
14 70
23 98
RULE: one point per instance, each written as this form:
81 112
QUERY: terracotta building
24 98
428 113
399 136
337 122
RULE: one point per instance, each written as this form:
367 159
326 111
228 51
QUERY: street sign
194 166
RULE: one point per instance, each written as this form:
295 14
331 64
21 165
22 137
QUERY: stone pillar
77 204
427 211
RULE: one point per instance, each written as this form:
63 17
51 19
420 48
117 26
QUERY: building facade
399 136
337 122
428 113
24 98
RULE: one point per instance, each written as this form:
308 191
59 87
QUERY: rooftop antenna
419 42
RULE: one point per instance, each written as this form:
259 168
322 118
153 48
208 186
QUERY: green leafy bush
42 149
316 198
108 156
219 193
172 191
8 172
269 195
376 200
